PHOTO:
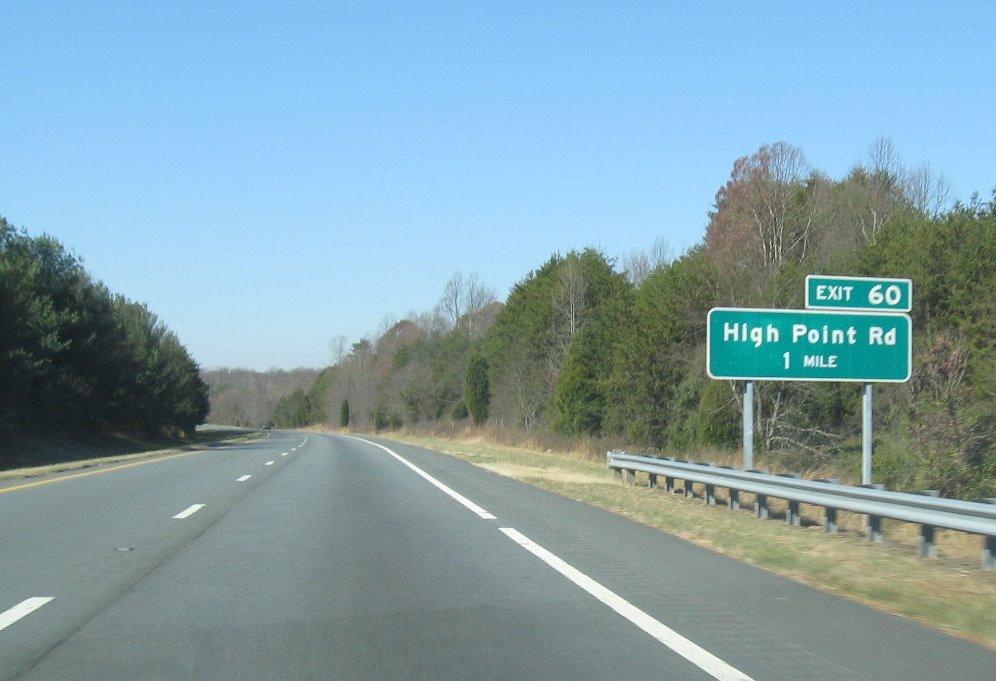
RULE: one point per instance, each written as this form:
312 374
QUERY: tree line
248 398
76 358
586 346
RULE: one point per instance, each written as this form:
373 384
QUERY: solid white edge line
243 478
692 652
191 510
448 490
22 609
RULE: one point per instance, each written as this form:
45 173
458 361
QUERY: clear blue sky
267 176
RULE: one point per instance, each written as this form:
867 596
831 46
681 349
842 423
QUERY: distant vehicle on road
267 426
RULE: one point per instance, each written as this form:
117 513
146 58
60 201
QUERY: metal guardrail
927 510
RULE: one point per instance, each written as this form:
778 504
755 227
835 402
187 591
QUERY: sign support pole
749 425
866 434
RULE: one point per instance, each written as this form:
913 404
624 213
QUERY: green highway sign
859 293
808 345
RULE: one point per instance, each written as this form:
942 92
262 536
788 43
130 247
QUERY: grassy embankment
40 456
950 593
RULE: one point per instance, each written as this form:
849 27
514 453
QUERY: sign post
749 425
866 434
860 293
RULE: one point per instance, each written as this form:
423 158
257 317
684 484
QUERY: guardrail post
830 525
652 481
686 486
873 523
761 507
988 544
792 517
830 521
733 500
733 496
927 548
630 477
874 529
710 490
989 553
669 484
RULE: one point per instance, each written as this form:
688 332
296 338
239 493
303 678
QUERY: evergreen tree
477 392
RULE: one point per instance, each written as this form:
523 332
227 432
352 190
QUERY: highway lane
339 561
90 535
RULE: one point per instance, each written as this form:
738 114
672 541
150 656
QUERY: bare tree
890 187
767 215
759 214
779 228
478 297
519 398
876 196
885 159
639 265
361 356
453 300
661 253
387 324
462 301
927 192
337 350
571 295
432 322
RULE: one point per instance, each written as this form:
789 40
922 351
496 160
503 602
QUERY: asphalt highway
306 556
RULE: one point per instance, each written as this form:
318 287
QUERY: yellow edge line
39 483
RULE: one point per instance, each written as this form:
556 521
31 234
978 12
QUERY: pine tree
477 389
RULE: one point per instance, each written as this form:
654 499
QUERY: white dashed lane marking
189 511
22 609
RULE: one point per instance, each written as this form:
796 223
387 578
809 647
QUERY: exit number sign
859 293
